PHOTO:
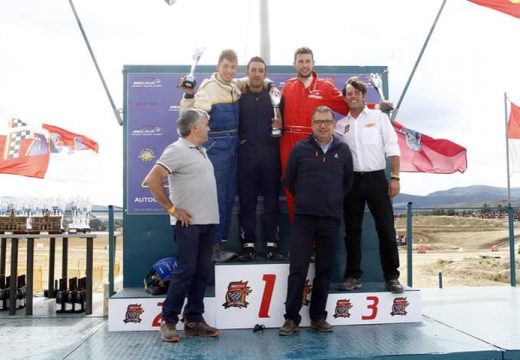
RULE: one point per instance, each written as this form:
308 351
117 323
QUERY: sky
457 93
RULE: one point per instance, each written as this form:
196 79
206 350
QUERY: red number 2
373 307
157 320
267 296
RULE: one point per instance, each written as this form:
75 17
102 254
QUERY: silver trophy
189 80
385 106
377 82
276 97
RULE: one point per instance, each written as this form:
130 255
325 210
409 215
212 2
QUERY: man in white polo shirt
373 141
193 210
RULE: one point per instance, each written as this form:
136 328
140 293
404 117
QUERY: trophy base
276 133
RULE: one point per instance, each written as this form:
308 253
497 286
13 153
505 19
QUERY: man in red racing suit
300 96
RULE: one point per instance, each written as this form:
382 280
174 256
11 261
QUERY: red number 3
373 306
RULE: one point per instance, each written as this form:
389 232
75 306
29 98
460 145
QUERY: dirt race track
459 247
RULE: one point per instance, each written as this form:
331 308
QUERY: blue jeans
190 275
222 151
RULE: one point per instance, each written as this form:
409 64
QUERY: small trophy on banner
276 97
189 81
377 82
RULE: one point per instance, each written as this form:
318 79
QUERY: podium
246 294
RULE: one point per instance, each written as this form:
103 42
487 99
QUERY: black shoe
200 328
274 254
352 283
220 254
394 286
321 325
289 327
247 254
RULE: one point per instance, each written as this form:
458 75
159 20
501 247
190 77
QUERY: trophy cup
385 106
276 97
189 80
377 82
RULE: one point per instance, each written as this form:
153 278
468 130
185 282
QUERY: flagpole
511 219
112 104
396 110
507 154
265 40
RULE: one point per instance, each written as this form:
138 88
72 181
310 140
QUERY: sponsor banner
256 295
152 111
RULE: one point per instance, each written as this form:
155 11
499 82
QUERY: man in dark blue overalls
258 165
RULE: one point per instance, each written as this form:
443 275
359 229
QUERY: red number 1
267 296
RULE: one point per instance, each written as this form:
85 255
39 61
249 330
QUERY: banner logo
236 294
399 306
146 155
343 307
133 313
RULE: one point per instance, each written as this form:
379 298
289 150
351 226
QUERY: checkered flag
18 132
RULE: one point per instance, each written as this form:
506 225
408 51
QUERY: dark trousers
192 265
308 229
370 188
259 173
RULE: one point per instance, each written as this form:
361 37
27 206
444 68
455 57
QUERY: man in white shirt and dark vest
373 141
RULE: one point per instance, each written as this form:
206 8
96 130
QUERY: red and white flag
513 136
48 152
510 7
422 153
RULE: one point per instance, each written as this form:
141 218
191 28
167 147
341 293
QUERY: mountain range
468 196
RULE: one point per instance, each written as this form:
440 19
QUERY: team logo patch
346 129
343 307
236 294
307 288
133 313
399 306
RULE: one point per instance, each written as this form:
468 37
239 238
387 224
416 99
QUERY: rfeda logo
343 307
133 313
236 294
399 306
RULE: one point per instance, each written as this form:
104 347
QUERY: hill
468 196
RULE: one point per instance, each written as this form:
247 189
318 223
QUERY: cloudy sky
46 74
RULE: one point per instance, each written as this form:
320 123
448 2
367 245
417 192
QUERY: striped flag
49 152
